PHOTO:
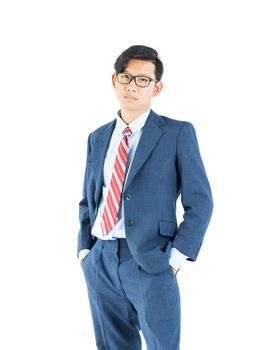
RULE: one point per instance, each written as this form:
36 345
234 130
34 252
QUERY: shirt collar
135 126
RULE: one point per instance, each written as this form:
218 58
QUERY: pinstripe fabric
113 200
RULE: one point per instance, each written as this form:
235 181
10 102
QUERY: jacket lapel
151 134
99 152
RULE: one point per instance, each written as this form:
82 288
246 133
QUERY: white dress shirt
118 230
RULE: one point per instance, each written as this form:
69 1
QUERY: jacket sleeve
196 196
85 240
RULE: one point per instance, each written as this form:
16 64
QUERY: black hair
139 52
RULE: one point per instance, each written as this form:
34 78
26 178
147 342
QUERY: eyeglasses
140 80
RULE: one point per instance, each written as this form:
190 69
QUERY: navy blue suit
167 164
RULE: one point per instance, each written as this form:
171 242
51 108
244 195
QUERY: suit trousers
125 299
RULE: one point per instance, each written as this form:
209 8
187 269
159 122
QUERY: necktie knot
127 131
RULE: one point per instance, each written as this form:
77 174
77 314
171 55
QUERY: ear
113 79
157 88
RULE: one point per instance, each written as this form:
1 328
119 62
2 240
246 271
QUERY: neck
129 116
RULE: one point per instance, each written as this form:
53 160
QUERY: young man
130 245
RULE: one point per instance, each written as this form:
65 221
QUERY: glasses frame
134 77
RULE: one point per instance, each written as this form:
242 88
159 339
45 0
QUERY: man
130 245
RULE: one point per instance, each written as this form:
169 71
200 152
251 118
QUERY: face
132 98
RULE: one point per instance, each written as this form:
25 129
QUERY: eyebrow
139 75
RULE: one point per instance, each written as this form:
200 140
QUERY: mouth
130 98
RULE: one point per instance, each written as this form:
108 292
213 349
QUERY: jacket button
128 197
129 222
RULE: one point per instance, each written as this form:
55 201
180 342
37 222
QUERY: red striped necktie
113 200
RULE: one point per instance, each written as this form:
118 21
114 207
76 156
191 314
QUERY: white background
55 79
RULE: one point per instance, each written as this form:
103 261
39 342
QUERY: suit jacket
167 164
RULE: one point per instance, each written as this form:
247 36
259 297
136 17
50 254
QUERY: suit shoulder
176 125
101 129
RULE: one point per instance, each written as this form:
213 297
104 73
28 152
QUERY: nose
131 86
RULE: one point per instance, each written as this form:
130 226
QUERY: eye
143 80
124 76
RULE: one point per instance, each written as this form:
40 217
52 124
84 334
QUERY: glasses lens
124 78
142 81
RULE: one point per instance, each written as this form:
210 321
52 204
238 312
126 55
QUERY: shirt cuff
83 253
177 259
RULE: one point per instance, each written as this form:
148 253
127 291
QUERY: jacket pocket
167 228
